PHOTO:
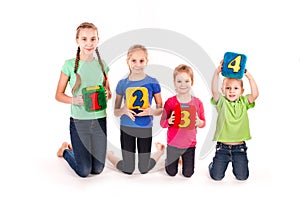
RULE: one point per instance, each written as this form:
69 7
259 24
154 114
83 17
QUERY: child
232 125
181 139
136 120
87 153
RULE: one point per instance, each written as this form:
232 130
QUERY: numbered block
234 65
94 98
185 116
137 98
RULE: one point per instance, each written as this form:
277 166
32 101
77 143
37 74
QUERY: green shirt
91 75
232 122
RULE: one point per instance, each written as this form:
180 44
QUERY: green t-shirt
232 122
91 75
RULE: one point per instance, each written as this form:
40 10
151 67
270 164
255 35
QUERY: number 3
185 118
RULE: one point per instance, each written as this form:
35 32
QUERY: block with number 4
234 65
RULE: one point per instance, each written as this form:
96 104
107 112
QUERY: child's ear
242 90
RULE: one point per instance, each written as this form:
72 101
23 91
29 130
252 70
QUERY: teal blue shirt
91 75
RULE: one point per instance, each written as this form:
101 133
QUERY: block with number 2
137 98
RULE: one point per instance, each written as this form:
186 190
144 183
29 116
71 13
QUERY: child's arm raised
214 82
254 89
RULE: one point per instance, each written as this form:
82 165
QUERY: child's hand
172 118
199 122
78 100
129 113
219 69
108 94
145 112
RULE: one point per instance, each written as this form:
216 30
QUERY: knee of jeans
187 174
170 172
143 170
242 177
97 171
128 170
83 173
215 177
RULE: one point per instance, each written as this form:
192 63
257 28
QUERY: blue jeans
237 154
89 142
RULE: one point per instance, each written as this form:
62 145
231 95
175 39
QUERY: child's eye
133 60
141 61
236 88
227 88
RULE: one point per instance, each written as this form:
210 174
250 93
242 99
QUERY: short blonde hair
184 68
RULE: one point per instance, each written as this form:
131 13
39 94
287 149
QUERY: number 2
139 98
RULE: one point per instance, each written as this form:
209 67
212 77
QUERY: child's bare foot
180 161
60 151
109 154
159 146
70 147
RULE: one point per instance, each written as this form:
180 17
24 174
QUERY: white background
37 36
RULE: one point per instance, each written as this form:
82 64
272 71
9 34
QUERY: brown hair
184 68
78 79
239 80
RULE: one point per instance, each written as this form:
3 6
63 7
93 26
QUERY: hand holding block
94 98
137 98
185 116
234 65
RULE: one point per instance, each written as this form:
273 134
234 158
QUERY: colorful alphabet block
94 98
137 98
185 116
234 65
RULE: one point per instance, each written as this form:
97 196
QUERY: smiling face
87 40
137 60
183 83
232 88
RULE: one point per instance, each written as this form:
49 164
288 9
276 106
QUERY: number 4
235 64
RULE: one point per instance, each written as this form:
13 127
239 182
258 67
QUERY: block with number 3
234 65
185 116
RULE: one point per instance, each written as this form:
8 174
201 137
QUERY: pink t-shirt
181 137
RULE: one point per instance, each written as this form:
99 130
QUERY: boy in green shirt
232 128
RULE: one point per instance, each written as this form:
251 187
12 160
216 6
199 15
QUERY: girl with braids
136 115
88 132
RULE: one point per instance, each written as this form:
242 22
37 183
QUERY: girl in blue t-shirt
136 115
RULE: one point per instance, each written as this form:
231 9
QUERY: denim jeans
89 142
188 161
237 154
